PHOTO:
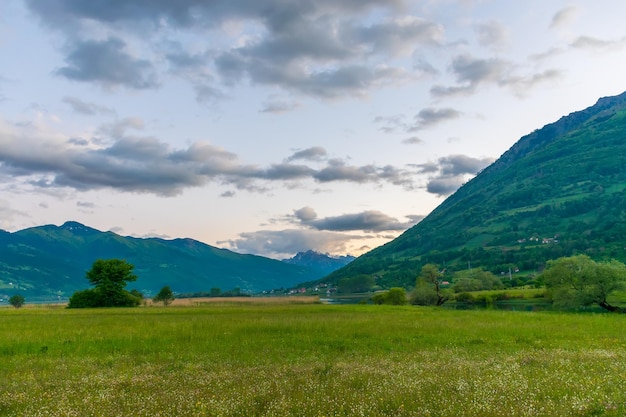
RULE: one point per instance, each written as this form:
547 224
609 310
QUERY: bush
86 299
396 296
17 300
465 297
92 298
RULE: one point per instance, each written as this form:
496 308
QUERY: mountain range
558 191
51 261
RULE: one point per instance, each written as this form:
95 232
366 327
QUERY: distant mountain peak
76 227
323 262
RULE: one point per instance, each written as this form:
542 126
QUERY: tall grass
310 360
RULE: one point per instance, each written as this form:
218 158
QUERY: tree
109 276
17 300
428 289
577 281
395 296
165 295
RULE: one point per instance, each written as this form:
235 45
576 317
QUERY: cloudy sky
276 126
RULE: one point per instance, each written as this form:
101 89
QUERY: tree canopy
109 276
165 295
577 281
428 289
17 300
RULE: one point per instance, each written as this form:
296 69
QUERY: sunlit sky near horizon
273 126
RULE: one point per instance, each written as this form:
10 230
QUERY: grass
243 359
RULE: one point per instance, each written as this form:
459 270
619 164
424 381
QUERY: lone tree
109 276
17 300
428 289
578 281
165 295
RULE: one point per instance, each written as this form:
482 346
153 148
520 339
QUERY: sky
277 126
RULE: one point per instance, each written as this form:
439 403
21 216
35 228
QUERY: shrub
17 300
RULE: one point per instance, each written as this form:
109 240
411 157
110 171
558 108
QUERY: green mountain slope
556 192
50 260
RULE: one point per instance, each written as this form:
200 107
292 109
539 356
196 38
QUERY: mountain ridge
51 260
567 179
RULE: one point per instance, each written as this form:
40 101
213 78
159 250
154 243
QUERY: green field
310 360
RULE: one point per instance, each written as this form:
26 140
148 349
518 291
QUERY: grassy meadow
286 359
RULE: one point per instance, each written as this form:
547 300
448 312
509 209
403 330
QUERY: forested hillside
558 191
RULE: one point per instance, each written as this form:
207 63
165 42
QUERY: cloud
413 140
462 164
277 106
591 43
106 63
391 124
430 116
325 49
491 34
451 172
564 17
471 72
315 153
285 243
143 164
521 85
367 221
444 186
305 214
89 109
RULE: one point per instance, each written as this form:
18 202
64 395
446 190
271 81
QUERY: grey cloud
471 72
588 42
78 141
228 194
367 221
491 34
444 186
285 243
183 14
329 83
147 165
279 106
305 214
462 164
338 170
413 140
451 172
315 153
309 47
286 171
85 204
391 124
195 68
89 109
427 167
430 116
564 16
399 36
522 84
118 128
107 63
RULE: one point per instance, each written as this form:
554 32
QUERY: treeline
215 292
